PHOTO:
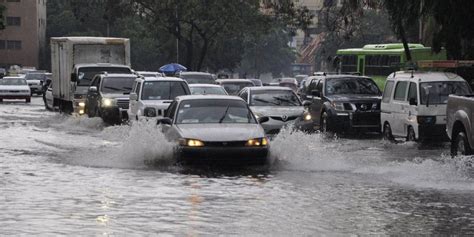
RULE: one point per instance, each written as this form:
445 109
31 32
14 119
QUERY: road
75 176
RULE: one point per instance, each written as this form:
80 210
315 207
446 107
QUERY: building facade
23 40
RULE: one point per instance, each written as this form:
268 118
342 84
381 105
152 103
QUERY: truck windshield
86 74
351 85
117 85
438 92
163 90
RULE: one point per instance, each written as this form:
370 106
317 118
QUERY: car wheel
1 100
411 137
387 133
28 100
324 123
460 145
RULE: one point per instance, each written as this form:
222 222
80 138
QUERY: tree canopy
2 17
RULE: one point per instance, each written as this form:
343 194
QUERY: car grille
123 103
14 91
372 119
226 144
286 119
366 106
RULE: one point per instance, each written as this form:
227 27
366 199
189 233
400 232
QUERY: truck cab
414 104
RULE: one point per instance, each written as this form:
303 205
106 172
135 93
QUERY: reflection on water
72 176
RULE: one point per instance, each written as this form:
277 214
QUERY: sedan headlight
82 104
257 142
190 142
150 112
307 116
107 102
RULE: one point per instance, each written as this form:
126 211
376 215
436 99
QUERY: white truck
76 60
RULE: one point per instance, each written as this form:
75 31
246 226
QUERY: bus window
349 63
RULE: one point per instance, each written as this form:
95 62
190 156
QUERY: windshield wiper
266 101
112 88
284 100
225 114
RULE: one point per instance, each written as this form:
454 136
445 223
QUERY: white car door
400 108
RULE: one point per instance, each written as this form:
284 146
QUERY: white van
414 104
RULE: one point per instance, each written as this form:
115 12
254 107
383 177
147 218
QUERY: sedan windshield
35 76
438 92
274 98
163 90
13 82
234 87
207 90
214 111
360 86
118 85
198 79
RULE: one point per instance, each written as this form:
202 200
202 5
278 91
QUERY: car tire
460 145
324 123
387 133
411 136
1 100
28 100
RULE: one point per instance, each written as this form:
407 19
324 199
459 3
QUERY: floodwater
75 176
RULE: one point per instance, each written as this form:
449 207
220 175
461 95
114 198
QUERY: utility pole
420 29
177 38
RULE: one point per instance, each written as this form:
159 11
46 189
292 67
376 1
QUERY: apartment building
23 41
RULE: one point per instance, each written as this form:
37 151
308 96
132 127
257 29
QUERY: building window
13 21
2 44
14 44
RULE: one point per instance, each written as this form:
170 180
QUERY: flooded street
75 176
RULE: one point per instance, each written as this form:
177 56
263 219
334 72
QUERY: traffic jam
233 121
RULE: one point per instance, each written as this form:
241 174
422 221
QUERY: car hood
353 98
116 96
33 82
221 132
14 87
277 110
159 104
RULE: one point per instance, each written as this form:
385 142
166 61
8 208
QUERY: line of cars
23 85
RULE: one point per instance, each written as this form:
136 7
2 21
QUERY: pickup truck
459 124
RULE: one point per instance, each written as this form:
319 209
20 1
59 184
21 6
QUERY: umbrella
172 68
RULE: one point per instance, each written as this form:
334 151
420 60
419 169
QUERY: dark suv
108 97
344 103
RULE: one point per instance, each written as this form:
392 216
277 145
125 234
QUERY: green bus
383 59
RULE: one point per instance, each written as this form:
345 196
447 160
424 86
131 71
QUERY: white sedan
14 88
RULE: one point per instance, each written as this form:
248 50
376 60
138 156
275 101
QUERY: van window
401 91
412 92
387 92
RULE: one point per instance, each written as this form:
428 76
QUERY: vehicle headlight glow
190 142
339 106
82 104
307 116
106 102
257 142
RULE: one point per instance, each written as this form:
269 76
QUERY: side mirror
165 121
413 101
133 96
93 89
263 119
306 103
316 93
73 77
